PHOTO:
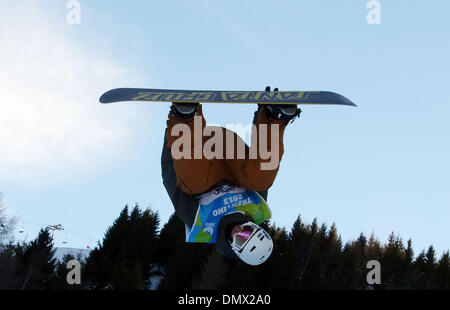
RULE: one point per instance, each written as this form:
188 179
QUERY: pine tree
407 271
171 237
409 253
419 267
443 272
10 278
315 276
307 258
373 249
180 261
186 264
277 271
392 271
331 256
60 280
361 261
213 273
298 245
37 262
146 236
101 262
353 264
430 268
127 254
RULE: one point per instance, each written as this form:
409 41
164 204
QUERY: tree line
137 254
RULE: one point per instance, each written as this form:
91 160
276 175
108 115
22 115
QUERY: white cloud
51 123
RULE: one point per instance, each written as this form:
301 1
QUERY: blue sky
381 167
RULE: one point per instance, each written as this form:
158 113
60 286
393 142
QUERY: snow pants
199 173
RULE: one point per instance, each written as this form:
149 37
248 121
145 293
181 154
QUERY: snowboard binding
287 112
184 110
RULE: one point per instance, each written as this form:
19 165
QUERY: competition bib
223 201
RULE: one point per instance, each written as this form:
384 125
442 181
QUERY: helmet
257 247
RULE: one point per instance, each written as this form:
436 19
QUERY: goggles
243 235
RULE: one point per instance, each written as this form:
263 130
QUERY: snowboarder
223 200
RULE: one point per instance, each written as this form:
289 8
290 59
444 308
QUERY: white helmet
255 247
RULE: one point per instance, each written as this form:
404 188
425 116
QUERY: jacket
186 206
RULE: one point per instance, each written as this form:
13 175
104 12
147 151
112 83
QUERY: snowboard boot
285 112
184 110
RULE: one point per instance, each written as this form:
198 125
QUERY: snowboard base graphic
214 96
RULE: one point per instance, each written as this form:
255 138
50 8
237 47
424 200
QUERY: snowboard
216 96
